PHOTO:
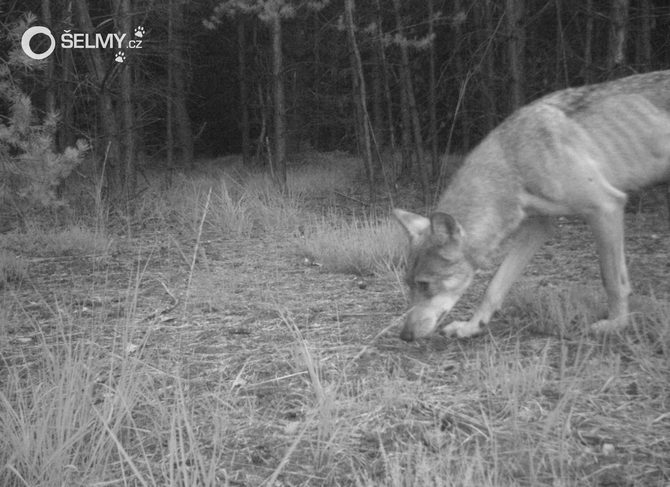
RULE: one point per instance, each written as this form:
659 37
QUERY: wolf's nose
407 334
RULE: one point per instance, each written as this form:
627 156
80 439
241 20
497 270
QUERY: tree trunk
317 137
462 76
264 110
360 95
405 131
588 44
294 113
377 96
50 95
358 115
124 23
411 102
110 149
561 75
169 111
65 99
432 98
387 89
488 65
181 117
516 47
244 92
279 102
66 137
618 34
643 50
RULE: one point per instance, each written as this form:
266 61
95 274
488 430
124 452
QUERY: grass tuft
13 268
360 246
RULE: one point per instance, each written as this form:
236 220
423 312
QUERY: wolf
577 151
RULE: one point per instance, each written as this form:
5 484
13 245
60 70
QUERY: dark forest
257 78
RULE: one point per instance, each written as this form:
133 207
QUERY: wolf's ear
415 225
445 228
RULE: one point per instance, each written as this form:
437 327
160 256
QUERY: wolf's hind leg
529 238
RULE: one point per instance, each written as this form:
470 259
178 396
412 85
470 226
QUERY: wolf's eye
422 286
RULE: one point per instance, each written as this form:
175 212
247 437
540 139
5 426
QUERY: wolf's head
437 271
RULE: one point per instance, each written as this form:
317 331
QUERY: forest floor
253 365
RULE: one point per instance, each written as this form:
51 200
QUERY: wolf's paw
462 329
603 327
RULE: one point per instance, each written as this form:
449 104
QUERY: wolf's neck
484 199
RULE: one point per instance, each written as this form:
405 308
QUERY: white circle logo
32 32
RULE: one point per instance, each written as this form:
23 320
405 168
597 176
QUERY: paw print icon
139 32
120 57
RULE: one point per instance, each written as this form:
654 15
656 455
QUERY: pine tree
30 169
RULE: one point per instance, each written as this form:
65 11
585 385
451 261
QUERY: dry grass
321 174
197 358
42 241
357 245
12 267
242 205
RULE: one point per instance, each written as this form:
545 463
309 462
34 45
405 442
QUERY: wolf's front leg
530 236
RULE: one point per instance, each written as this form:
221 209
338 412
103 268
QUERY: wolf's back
620 126
654 86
